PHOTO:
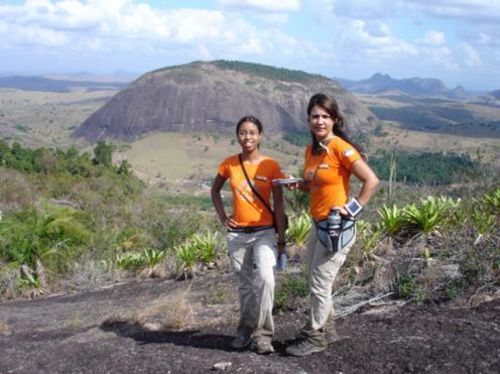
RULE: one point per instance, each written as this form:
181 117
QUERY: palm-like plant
206 246
492 200
187 257
153 257
392 219
131 261
299 229
430 213
33 234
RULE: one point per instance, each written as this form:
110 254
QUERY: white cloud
361 9
373 40
433 38
439 57
124 25
471 56
262 5
479 11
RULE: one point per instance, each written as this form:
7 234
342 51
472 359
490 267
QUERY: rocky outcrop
211 97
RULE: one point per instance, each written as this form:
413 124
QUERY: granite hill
211 97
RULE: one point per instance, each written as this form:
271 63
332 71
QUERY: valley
189 161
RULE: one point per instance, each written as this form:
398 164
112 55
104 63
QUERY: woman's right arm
217 199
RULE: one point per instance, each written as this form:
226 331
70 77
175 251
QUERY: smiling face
321 123
249 136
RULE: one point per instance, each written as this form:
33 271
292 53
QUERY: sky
457 41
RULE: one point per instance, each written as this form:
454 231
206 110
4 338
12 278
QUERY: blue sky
456 41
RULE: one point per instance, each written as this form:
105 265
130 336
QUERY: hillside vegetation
72 220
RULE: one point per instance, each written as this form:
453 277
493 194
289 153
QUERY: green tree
103 153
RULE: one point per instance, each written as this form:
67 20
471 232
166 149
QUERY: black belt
249 229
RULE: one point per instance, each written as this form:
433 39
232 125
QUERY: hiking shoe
303 348
241 342
262 347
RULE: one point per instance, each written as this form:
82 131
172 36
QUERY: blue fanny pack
346 237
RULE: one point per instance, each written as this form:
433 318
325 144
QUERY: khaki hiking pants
253 258
322 268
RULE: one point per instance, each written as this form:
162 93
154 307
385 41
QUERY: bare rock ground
164 326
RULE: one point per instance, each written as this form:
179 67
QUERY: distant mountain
212 96
27 83
495 94
383 84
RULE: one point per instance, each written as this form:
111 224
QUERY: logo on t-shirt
348 152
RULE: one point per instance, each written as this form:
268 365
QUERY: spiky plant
207 245
130 261
299 228
430 213
392 219
187 256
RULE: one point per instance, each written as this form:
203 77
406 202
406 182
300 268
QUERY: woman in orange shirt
252 230
330 161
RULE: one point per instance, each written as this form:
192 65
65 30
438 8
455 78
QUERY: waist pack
346 237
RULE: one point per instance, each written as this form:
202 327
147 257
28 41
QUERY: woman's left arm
368 179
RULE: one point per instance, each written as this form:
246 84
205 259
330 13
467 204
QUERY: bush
403 285
430 213
299 229
392 219
50 234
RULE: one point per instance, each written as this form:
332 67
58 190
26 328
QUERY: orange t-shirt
248 210
328 174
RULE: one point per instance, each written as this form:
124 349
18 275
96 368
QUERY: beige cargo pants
321 269
253 258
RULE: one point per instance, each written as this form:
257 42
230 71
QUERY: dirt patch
119 329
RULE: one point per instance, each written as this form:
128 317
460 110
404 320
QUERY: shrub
206 246
299 228
403 285
153 257
430 213
49 233
492 200
130 239
483 221
132 261
187 258
392 219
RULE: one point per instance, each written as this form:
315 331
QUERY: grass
289 288
48 115
4 328
172 312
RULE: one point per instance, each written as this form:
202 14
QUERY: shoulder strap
253 188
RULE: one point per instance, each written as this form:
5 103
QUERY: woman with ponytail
330 161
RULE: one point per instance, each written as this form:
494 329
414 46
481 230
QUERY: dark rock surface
211 97
94 332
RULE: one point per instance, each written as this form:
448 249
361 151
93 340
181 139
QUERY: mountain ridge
37 83
380 83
